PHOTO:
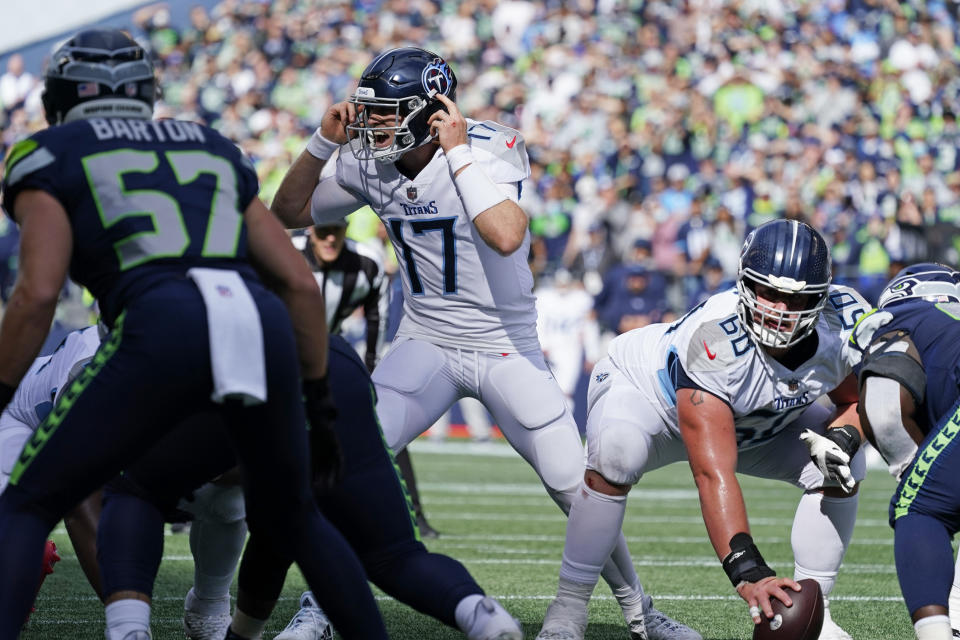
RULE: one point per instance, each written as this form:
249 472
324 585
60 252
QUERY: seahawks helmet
928 281
791 258
405 80
98 73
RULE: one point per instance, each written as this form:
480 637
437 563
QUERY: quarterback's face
384 119
327 241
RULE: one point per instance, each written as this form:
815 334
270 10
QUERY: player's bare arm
502 225
46 243
706 424
292 200
285 271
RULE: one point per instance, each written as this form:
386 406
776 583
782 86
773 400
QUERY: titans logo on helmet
436 77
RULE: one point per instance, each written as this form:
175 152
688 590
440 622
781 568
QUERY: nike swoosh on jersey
712 356
511 142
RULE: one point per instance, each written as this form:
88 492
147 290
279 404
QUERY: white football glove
833 462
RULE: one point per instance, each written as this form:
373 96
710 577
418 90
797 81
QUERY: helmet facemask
409 132
771 326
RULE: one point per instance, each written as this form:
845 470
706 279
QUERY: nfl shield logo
412 194
224 291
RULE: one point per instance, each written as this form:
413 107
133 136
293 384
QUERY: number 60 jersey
144 198
709 349
458 292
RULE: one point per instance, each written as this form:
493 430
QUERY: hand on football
333 126
449 127
758 594
832 461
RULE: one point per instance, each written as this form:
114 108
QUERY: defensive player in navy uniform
447 190
730 387
908 352
160 221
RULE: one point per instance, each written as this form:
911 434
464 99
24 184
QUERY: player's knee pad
619 452
556 453
221 503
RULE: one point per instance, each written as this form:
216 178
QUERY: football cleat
426 531
138 635
831 630
50 558
492 622
205 620
656 625
310 623
565 619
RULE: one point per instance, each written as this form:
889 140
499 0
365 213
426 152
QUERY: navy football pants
150 375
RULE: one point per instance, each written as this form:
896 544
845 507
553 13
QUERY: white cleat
310 623
831 630
565 620
656 625
139 635
492 622
207 622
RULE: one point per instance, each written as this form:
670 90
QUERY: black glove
324 447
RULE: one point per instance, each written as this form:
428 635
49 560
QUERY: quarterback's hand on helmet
333 126
324 446
831 453
450 127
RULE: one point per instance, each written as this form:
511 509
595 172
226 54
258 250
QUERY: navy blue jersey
147 200
935 331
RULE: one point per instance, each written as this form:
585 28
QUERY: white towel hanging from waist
235 334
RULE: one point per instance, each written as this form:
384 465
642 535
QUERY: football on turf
800 621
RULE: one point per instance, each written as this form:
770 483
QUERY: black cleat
426 531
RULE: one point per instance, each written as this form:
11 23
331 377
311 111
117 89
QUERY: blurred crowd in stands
659 133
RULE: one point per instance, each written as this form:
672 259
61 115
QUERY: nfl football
800 621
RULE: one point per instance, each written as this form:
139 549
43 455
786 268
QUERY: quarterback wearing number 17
447 189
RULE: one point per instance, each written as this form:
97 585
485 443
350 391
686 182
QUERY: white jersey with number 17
458 291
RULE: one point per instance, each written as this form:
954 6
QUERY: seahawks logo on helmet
929 281
436 77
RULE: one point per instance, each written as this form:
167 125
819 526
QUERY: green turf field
495 517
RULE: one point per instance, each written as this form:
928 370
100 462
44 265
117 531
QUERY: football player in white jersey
568 329
33 401
447 188
730 386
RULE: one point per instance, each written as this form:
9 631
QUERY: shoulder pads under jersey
500 150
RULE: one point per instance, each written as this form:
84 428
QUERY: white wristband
319 147
477 191
459 157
